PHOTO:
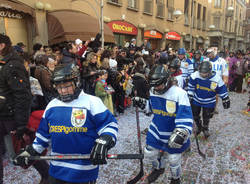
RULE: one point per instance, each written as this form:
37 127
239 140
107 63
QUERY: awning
152 34
4 4
68 25
173 36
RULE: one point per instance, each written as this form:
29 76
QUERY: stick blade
136 178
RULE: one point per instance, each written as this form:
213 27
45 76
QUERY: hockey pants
207 113
159 160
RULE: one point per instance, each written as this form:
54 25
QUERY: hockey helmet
205 69
158 76
181 51
175 64
63 74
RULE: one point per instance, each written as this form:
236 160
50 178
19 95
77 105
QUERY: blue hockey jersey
203 91
171 110
72 128
187 67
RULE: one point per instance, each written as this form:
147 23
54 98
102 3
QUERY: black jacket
15 87
141 85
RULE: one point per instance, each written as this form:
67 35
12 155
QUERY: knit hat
5 39
78 41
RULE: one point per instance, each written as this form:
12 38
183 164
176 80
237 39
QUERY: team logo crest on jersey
186 64
171 106
213 85
78 117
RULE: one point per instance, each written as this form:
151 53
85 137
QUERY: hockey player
219 65
171 127
176 73
202 89
73 123
186 67
197 59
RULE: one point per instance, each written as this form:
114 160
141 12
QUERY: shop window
133 4
160 8
148 6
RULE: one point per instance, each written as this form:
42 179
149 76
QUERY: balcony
115 2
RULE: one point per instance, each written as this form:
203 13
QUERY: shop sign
152 34
173 36
10 14
123 27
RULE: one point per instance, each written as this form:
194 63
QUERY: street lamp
177 14
99 15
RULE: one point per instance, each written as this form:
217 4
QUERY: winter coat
232 67
43 75
15 87
141 85
89 79
102 93
68 57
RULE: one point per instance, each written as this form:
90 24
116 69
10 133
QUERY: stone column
42 27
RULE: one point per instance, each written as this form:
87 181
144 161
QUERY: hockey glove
178 137
22 158
20 131
139 102
226 103
99 152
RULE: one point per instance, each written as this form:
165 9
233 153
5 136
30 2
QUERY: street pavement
227 152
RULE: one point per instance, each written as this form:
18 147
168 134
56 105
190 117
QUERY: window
217 3
115 2
148 6
186 7
199 16
160 8
194 19
217 22
170 7
204 18
132 4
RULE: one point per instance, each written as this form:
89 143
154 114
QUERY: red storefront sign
152 34
173 36
123 27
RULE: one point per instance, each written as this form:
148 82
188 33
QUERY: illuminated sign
152 34
122 27
10 15
173 36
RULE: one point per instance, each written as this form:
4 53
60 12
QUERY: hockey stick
141 173
78 157
198 147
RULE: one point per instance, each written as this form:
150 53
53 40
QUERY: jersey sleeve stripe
73 166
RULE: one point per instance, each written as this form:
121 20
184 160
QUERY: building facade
247 26
226 29
154 20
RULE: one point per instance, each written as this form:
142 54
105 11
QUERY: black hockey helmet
67 73
158 75
175 63
205 69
